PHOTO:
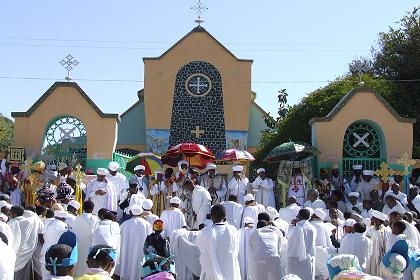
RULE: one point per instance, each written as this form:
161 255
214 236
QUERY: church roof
197 29
51 90
346 98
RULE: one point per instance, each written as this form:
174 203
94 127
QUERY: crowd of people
188 224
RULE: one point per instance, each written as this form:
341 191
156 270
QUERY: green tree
6 133
397 58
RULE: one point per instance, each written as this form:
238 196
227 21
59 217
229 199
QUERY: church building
197 91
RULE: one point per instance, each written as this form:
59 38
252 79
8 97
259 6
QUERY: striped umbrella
150 161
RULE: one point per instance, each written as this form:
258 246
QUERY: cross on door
66 134
198 85
197 132
361 140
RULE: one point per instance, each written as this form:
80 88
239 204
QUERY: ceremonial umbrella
235 155
150 161
197 155
295 151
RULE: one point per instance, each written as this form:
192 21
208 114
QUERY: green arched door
363 144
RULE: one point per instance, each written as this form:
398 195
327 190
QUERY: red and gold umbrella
197 155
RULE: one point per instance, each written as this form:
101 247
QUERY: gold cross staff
406 162
384 172
197 132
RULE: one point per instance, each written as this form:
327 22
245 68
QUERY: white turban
101 172
368 172
210 166
175 200
75 204
249 197
259 170
349 222
181 162
136 209
113 166
147 204
319 212
60 214
139 167
272 212
237 168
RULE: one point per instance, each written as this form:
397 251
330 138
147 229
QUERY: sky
295 45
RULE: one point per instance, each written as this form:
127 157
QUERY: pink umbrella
235 155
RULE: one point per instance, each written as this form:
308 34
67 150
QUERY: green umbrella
294 151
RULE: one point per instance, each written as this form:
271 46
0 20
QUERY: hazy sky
297 45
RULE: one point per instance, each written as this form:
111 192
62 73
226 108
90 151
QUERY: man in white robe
142 181
367 185
83 228
72 209
356 178
201 202
357 244
392 204
214 183
238 184
6 230
353 198
186 254
244 235
131 197
263 189
107 232
314 201
301 247
101 192
298 186
234 211
290 212
51 236
265 249
377 234
219 248
252 208
147 214
118 181
282 225
173 218
133 234
7 261
29 227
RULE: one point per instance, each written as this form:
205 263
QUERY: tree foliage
6 133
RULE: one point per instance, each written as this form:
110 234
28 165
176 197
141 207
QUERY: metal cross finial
69 62
199 8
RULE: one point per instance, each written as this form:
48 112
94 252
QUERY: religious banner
16 154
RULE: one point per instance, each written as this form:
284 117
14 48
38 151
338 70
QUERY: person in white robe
6 230
186 254
357 244
107 232
219 248
265 249
298 186
238 184
72 209
234 211
147 214
7 261
133 234
282 225
313 200
356 178
29 228
201 202
83 228
376 233
367 185
400 196
101 192
392 204
353 198
118 181
173 218
214 183
131 197
244 236
290 212
142 181
323 244
301 247
252 208
262 188
51 236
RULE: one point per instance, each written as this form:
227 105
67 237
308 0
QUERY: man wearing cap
234 211
367 185
155 244
238 184
5 228
214 183
158 191
72 209
142 181
357 244
392 204
63 172
52 233
118 181
314 201
173 218
101 192
133 234
322 184
130 198
184 194
291 210
377 234
356 178
353 202
263 189
252 208
182 173
337 181
147 211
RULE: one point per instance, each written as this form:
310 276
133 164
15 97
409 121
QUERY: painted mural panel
157 140
236 139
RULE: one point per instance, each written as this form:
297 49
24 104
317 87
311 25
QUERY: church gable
131 129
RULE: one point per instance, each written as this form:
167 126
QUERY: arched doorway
363 144
65 140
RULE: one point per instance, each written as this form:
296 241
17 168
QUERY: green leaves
6 133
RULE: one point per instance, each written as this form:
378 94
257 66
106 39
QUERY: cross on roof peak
199 8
